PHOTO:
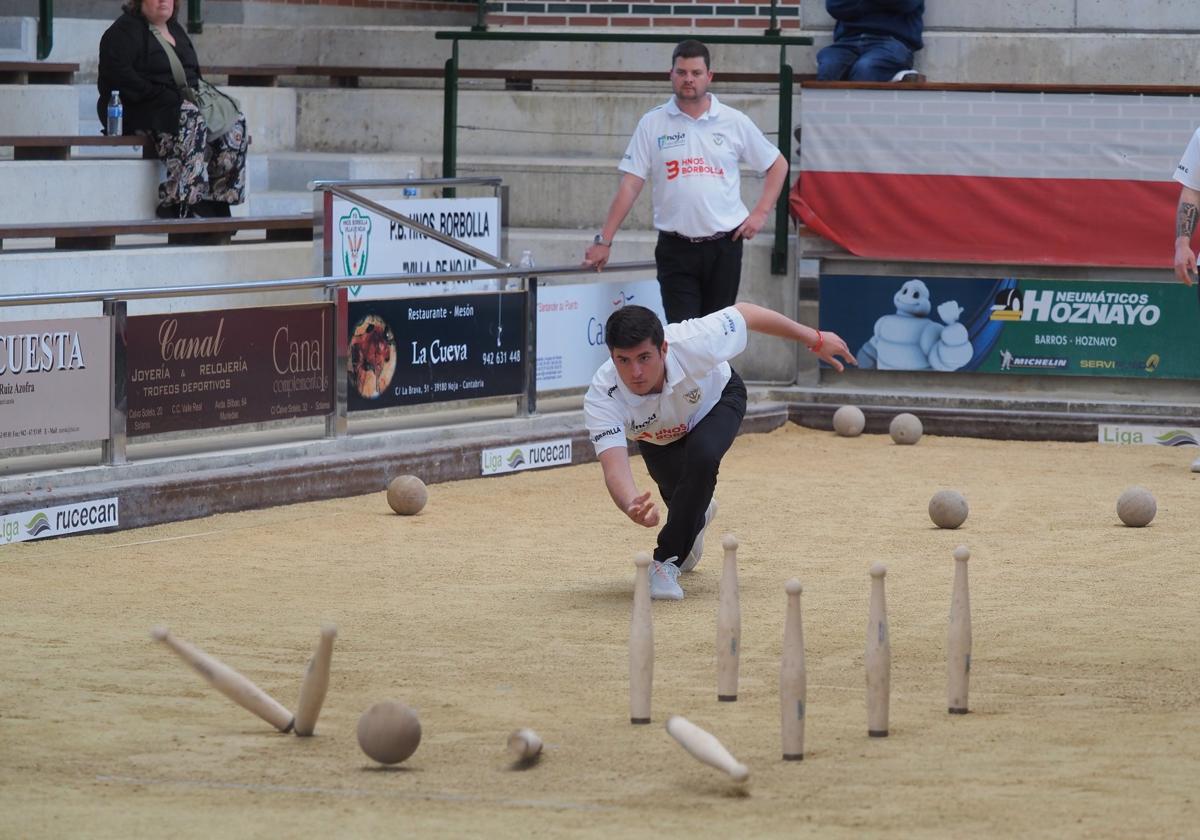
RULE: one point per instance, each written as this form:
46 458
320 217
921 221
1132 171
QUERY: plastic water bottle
411 191
526 262
116 115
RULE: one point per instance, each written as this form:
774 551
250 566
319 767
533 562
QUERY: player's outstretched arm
618 478
1185 227
630 188
829 346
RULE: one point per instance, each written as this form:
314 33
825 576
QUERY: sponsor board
42 523
1125 435
435 349
366 243
54 381
570 327
525 456
1011 326
201 370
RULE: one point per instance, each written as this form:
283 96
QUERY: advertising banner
201 370
525 456
366 243
42 523
54 381
570 327
1127 435
434 349
1073 328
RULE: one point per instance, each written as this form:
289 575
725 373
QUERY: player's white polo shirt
1188 171
698 354
692 165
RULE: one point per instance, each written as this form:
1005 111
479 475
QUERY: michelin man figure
909 340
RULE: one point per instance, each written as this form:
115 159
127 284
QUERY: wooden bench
89 236
58 147
37 73
268 75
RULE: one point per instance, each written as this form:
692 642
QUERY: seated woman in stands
147 56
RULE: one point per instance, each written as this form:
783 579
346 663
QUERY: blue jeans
863 58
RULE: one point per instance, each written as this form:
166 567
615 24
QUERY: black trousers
685 470
697 278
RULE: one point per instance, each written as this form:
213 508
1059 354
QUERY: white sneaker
664 581
698 546
1196 465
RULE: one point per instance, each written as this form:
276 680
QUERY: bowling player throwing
672 390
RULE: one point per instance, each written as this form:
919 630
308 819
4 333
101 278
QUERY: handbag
219 109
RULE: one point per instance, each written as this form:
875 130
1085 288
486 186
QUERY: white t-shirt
698 354
1188 171
692 165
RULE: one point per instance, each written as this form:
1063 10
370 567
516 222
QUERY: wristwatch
599 240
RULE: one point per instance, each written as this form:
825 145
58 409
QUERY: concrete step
490 122
1088 42
160 266
77 190
38 109
292 171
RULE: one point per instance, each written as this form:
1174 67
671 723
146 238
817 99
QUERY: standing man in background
873 41
690 149
1188 174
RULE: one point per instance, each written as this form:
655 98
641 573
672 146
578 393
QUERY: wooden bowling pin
641 644
878 658
316 682
729 625
793 681
229 682
525 745
705 747
958 640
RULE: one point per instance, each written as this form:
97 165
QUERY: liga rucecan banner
434 349
1074 328
200 370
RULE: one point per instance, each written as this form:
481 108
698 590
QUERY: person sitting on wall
873 41
205 173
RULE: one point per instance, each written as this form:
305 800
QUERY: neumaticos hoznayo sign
1009 326
198 370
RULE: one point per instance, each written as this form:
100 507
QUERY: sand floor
506 603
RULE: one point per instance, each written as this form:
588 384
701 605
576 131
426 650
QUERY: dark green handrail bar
195 23
450 98
45 29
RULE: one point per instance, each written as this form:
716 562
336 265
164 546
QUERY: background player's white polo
698 354
692 165
1188 171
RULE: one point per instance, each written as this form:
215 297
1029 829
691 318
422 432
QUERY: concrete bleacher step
38 109
1098 42
24 272
77 190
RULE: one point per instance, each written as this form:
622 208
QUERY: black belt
722 235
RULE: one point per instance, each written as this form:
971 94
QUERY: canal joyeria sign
210 369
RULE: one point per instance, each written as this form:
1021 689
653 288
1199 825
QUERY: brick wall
732 14
396 5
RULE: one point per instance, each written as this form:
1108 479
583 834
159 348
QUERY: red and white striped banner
959 176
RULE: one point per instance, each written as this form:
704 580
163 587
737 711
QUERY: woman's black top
134 62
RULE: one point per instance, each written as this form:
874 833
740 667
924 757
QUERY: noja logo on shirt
669 141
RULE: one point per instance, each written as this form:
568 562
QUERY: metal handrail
409 182
302 283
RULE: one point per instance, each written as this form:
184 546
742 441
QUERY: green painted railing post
45 29
773 29
450 121
480 17
779 253
195 17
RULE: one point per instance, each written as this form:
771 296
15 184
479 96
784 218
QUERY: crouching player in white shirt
672 390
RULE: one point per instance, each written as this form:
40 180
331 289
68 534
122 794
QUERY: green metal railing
450 99
195 22
45 29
